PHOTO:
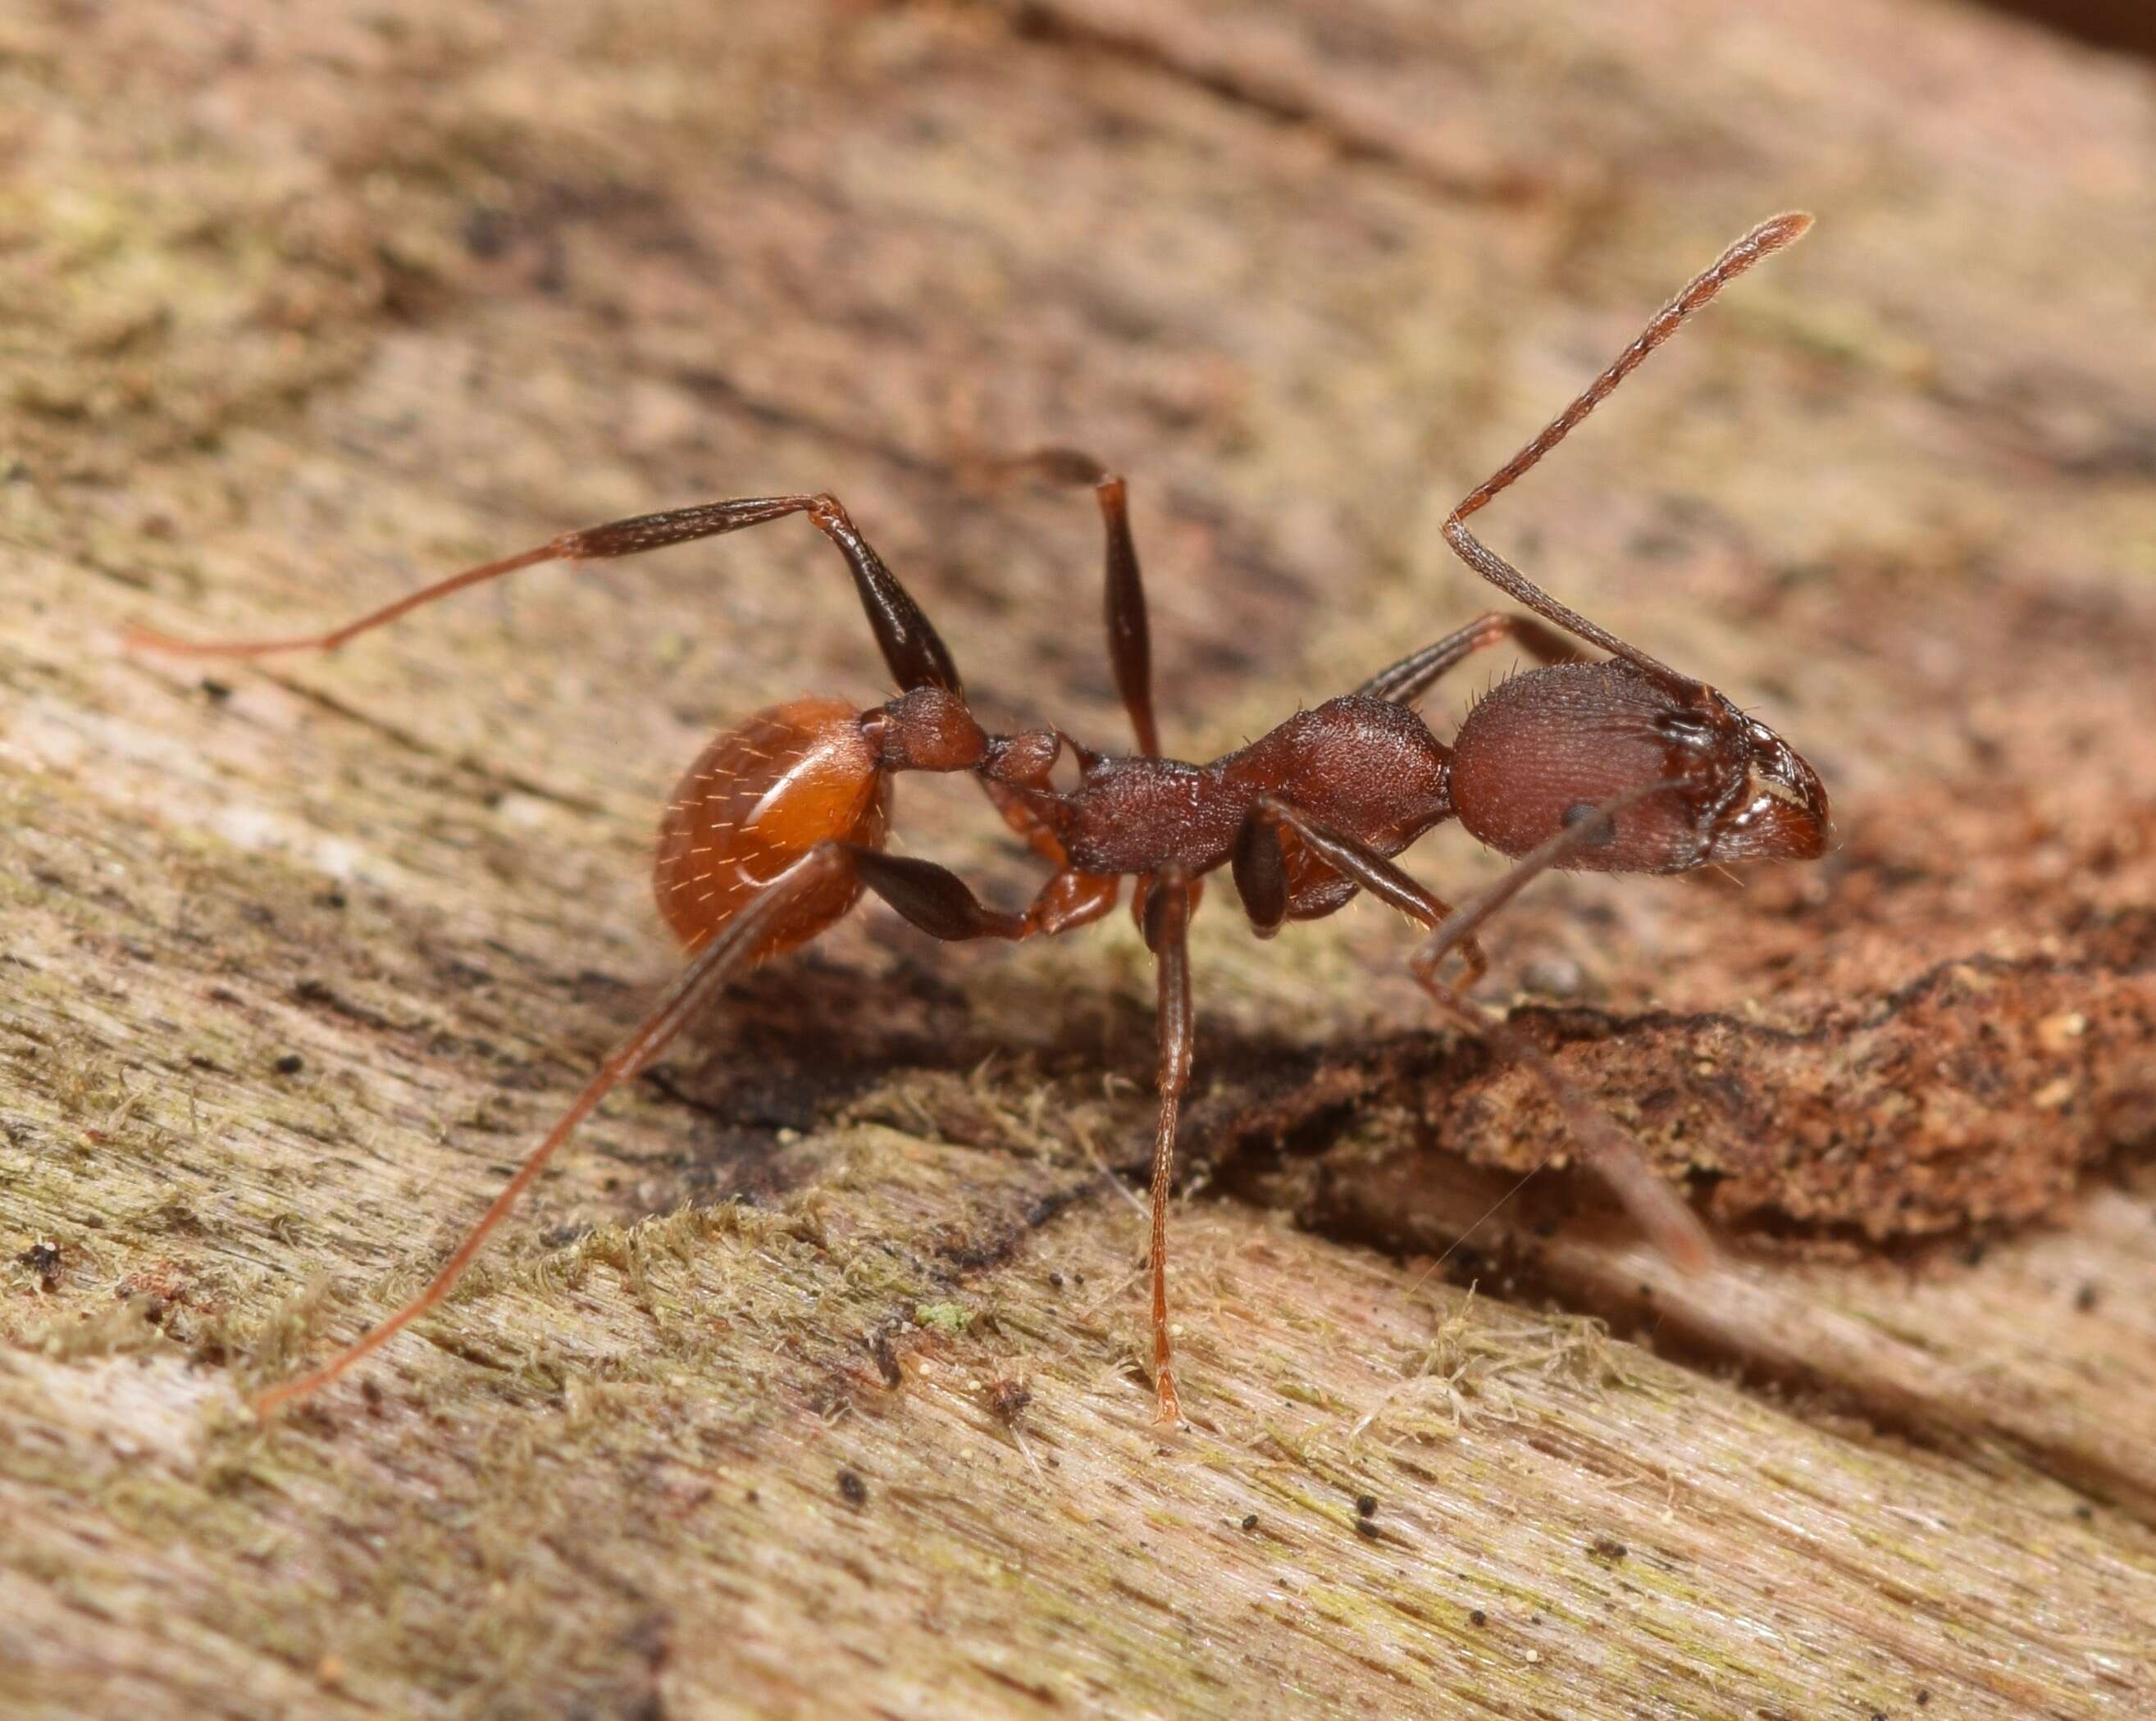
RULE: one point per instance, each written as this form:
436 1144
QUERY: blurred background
2108 23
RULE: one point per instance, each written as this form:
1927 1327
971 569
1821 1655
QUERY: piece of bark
300 956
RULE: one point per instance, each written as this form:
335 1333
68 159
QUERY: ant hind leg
913 652
742 942
806 899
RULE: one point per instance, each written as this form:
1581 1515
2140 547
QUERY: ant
1617 765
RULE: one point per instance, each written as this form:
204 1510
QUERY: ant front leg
1670 1224
1659 1211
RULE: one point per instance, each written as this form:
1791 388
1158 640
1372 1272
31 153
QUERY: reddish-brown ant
1620 765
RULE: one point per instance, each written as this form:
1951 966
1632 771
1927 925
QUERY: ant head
1546 749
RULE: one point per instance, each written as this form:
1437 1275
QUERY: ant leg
916 655
1763 240
1261 874
940 902
740 944
1072 899
1656 1208
1409 678
1130 643
1130 656
934 898
931 897
1167 921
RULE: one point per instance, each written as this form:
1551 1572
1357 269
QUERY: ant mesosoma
1619 765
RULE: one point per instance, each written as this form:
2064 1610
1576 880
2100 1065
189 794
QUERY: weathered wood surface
303 303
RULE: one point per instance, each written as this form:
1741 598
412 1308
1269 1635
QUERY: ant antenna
1770 236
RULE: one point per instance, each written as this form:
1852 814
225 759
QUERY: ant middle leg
1165 916
1661 1213
1084 897
940 905
1130 643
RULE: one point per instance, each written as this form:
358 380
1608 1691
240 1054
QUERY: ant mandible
1617 765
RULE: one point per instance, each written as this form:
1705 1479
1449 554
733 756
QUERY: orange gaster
759 798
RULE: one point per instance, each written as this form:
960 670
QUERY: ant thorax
1367 769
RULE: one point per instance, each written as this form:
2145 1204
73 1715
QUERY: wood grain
809 1383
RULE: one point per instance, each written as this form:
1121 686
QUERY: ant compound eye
1582 812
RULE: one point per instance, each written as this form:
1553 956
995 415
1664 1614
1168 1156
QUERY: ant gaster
1615 765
